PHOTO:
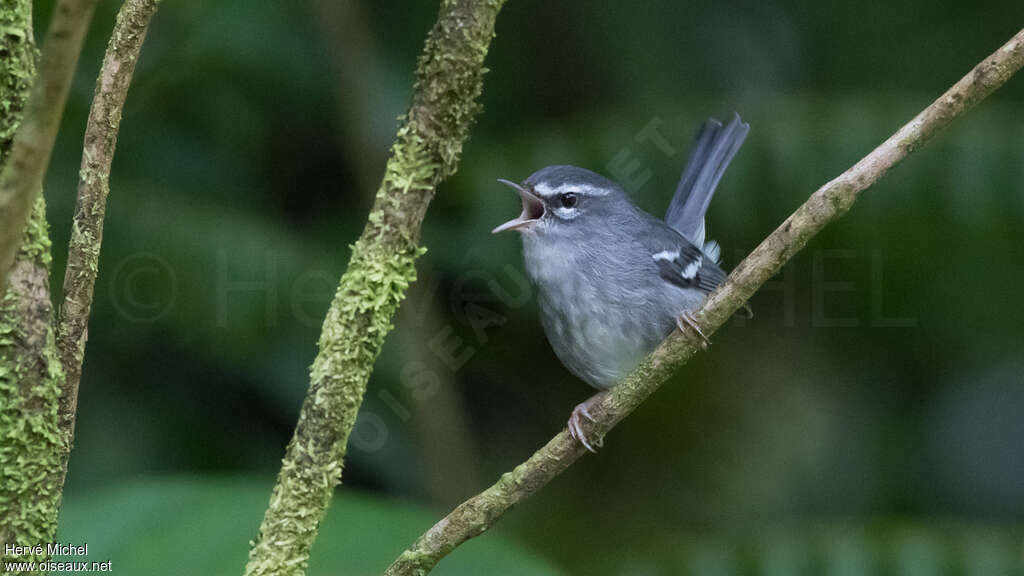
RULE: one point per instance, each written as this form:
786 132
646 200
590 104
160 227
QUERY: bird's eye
568 199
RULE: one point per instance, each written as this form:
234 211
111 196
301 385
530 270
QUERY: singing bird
612 280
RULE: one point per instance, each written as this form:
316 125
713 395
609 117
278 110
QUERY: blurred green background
868 420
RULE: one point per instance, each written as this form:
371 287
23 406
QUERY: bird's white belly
600 345
593 351
598 328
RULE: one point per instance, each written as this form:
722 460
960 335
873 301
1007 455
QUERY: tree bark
449 80
22 176
37 413
30 375
93 187
827 204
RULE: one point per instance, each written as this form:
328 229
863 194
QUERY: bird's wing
679 261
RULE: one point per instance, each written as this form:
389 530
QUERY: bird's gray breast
602 311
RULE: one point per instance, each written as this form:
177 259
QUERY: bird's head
564 199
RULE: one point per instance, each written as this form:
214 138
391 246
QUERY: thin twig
828 203
22 175
93 187
449 80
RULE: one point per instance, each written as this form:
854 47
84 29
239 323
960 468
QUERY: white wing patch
689 272
691 269
666 255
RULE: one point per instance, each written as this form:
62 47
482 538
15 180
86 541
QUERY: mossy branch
827 204
93 187
30 375
30 384
22 175
449 81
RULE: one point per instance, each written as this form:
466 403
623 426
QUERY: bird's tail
713 149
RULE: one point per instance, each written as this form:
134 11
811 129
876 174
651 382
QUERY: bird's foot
687 319
580 412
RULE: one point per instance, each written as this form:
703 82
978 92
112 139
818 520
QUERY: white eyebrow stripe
546 191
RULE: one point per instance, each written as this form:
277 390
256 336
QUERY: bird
612 280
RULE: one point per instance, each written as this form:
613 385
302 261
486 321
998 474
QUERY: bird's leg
582 410
687 318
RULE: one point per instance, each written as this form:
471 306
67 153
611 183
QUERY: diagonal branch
826 205
449 81
93 187
22 175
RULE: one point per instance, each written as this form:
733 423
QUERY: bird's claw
576 430
687 319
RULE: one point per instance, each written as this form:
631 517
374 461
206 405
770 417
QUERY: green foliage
185 526
814 548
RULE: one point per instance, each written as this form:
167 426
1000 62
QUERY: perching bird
612 280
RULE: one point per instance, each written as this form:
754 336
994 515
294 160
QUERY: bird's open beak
533 209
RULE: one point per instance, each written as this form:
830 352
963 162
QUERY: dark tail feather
713 149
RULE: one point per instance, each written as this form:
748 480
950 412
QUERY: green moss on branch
30 384
29 151
449 80
30 376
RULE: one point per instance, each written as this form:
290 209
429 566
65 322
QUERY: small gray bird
612 280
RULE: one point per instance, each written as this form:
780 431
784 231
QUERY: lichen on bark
30 375
93 188
449 80
31 139
30 382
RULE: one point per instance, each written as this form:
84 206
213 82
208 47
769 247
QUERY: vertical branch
30 383
449 80
33 447
93 187
30 376
23 172
826 205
